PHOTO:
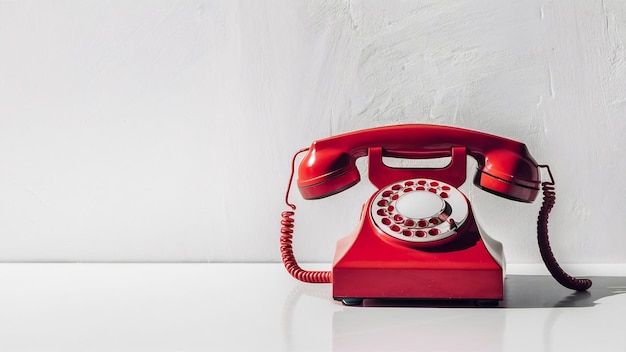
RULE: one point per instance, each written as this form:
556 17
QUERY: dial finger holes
419 211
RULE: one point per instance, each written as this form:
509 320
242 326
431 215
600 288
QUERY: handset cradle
417 237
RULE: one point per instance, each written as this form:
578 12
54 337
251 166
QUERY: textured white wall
163 131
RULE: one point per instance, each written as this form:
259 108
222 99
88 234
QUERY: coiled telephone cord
549 197
286 237
286 249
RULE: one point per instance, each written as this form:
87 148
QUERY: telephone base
468 268
351 286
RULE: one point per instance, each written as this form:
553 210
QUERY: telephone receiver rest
381 175
505 167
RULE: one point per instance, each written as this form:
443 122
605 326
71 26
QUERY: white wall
163 131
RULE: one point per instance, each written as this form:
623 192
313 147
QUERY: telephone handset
417 237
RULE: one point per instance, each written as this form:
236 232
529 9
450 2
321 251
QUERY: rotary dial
420 211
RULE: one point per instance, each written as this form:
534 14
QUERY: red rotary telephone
417 237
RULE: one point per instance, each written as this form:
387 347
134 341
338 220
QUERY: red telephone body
417 237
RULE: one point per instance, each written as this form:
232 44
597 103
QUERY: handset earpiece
326 172
509 174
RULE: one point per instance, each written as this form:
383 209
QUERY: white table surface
259 307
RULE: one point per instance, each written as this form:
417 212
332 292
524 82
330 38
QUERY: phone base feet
352 301
487 303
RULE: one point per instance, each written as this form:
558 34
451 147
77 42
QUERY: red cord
549 197
289 259
286 237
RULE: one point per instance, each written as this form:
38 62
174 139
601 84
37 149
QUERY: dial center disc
418 205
